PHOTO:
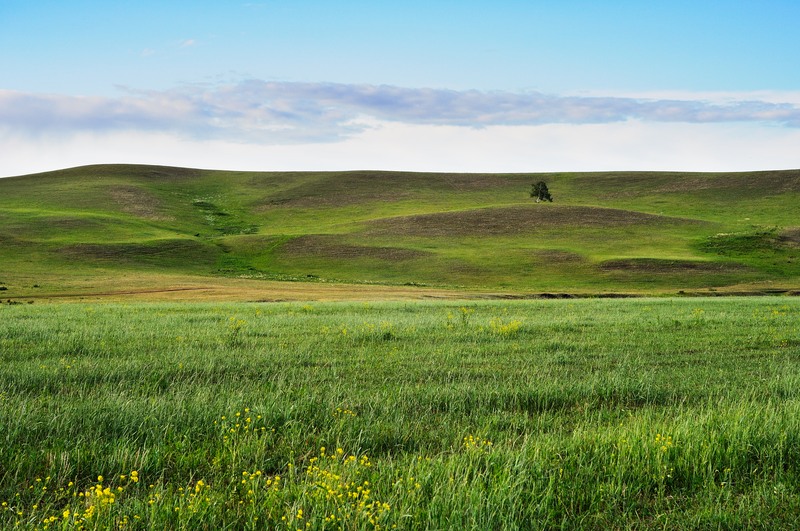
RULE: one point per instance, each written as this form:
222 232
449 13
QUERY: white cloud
258 125
278 112
714 97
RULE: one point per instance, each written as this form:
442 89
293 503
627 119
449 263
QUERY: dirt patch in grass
654 265
331 247
552 256
139 203
49 227
6 239
790 237
181 253
71 223
514 220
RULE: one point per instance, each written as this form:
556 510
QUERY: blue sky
446 86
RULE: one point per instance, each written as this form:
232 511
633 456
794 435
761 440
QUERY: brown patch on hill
655 265
331 247
71 223
790 237
49 225
513 220
138 202
167 173
626 184
7 239
116 252
553 256
349 188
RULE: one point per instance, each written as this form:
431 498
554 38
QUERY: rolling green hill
605 232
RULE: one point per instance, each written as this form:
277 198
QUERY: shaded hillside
638 231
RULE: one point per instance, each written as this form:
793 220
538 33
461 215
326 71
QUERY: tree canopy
540 192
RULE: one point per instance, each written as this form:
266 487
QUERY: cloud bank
260 125
266 112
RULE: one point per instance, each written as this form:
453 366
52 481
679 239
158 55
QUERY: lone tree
540 192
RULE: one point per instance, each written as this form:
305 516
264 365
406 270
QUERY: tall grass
647 413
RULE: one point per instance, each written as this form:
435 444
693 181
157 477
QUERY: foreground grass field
580 414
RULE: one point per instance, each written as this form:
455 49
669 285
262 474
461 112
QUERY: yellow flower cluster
134 476
197 496
254 484
664 442
500 328
474 443
335 479
91 503
235 327
343 413
100 495
465 314
241 422
410 482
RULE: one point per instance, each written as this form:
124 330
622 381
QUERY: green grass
458 231
579 414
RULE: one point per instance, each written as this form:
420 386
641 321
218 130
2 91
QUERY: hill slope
634 232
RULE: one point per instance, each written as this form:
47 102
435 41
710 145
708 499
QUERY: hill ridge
449 230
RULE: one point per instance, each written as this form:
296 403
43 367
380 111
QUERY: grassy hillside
623 232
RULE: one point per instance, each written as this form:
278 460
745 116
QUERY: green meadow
200 380
649 413
73 231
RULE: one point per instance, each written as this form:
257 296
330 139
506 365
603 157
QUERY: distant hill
635 232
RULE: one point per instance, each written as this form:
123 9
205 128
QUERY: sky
466 86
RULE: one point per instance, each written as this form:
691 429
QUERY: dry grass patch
632 184
169 250
497 221
331 247
553 256
654 265
138 202
181 288
71 224
351 188
790 237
